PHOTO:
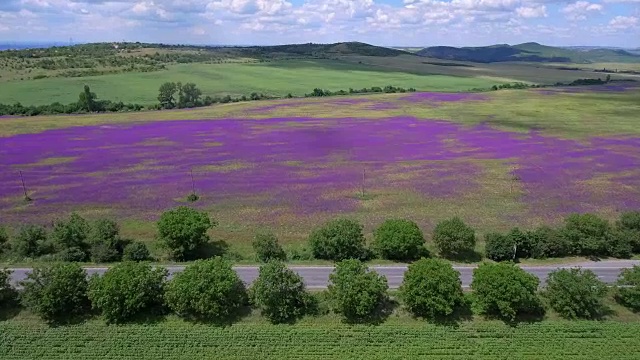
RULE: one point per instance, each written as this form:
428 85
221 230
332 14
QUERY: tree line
211 291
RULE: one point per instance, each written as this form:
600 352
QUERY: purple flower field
306 166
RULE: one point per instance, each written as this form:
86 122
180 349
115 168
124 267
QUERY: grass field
276 78
497 160
25 338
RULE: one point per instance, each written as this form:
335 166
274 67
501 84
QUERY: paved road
316 277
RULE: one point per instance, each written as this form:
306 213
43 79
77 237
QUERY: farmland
495 159
398 338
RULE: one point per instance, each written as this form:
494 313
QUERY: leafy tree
4 239
628 291
549 243
280 293
575 293
499 247
87 100
629 220
620 243
8 294
105 242
56 291
136 251
431 288
454 238
189 95
266 246
356 293
505 290
167 94
30 241
208 289
126 290
338 240
587 233
398 239
182 230
71 233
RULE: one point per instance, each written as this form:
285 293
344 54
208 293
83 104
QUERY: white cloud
623 22
580 10
529 12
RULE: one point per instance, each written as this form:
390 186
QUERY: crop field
496 159
276 78
316 339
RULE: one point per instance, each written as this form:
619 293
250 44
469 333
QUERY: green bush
587 234
56 291
620 243
454 238
8 294
279 293
4 239
431 288
136 251
30 241
338 240
71 233
549 243
105 243
629 220
628 291
126 290
505 290
398 239
499 247
267 248
356 293
575 293
207 290
182 230
73 254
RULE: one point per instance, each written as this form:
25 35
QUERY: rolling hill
528 52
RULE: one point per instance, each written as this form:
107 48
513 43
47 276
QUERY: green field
398 338
276 78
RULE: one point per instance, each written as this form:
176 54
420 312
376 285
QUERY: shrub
454 238
575 293
266 246
8 294
126 290
207 289
499 247
398 239
629 220
73 254
30 241
355 292
4 239
620 243
505 290
105 243
628 291
587 234
431 288
56 291
182 230
549 243
338 240
71 233
523 241
279 293
136 251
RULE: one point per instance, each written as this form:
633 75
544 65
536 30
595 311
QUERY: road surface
317 277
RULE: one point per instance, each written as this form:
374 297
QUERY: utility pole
24 187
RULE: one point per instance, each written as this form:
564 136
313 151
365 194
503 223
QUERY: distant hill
310 49
529 52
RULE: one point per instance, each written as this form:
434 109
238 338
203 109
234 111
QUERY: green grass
274 78
400 337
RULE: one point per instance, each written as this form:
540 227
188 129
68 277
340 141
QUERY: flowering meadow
288 165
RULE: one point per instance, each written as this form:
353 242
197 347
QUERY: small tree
454 238
105 242
136 251
575 293
182 230
71 233
628 291
126 290
505 290
8 294
189 95
356 293
167 94
266 246
280 293
56 291
208 289
549 243
431 288
87 100
499 247
338 240
620 243
587 234
30 241
398 239
4 239
629 220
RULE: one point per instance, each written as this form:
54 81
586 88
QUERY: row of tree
210 290
318 92
577 82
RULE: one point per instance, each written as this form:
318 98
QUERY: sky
378 22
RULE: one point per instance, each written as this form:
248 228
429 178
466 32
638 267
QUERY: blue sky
380 22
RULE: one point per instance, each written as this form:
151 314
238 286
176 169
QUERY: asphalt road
317 277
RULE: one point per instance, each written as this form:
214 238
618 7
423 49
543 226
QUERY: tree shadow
234 317
461 313
9 312
69 320
466 257
208 250
379 316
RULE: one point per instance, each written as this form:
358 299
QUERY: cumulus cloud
580 10
532 11
623 22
